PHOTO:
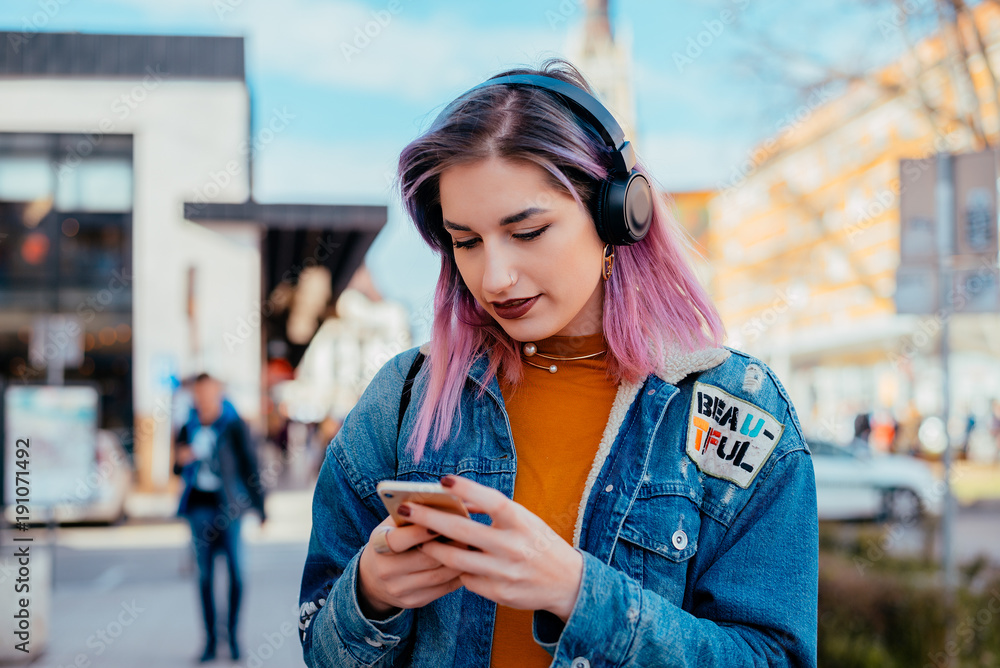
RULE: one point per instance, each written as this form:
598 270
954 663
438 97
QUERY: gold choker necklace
530 350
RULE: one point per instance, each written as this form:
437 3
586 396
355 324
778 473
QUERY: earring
609 261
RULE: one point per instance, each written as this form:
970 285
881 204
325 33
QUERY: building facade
132 253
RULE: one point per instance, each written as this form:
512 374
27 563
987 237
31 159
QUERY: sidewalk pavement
154 623
126 596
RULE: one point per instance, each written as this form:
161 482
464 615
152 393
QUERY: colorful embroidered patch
727 437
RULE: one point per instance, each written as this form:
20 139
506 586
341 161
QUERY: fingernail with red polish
447 481
404 510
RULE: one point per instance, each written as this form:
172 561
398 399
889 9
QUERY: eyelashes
527 236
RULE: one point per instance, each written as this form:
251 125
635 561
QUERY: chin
528 332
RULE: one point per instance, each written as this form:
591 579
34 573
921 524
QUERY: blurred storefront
805 240
132 254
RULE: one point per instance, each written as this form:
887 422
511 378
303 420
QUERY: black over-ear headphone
622 207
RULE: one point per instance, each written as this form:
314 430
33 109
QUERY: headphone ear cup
627 205
638 213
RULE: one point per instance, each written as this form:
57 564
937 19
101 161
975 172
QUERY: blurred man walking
216 460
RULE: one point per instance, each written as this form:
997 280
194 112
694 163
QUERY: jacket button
580 662
679 539
609 488
374 642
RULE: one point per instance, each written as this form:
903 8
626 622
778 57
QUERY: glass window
95 184
90 249
25 178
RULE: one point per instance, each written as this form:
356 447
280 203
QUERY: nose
499 272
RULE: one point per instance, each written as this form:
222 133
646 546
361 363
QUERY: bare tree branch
938 117
963 9
966 97
783 67
815 214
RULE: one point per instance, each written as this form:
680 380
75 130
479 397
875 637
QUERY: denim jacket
697 527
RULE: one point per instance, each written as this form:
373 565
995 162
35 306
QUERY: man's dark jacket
233 460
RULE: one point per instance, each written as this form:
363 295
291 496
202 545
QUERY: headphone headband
595 113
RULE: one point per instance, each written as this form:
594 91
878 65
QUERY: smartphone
395 492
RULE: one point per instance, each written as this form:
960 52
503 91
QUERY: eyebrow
506 220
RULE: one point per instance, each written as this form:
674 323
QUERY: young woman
641 495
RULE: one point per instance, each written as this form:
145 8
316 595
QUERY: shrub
891 612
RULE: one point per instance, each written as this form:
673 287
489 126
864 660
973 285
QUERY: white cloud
419 59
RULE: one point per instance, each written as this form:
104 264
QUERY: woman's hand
403 578
519 561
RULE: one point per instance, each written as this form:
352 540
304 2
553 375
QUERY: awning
296 236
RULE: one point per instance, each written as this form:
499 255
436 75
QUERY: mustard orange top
557 420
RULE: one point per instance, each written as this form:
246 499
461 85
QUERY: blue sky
355 110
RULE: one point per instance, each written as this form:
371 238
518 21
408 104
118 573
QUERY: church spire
597 25
606 62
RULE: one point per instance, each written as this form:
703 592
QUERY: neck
571 346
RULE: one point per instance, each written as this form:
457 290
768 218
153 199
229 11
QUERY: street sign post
948 264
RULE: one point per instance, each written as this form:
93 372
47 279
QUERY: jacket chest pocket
657 540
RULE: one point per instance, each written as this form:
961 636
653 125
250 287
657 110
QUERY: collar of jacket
676 366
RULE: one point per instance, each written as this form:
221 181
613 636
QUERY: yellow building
804 238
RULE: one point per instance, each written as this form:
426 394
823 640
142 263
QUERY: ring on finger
380 540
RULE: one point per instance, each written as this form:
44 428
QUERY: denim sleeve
333 630
756 605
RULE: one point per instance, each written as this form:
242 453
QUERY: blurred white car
862 486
